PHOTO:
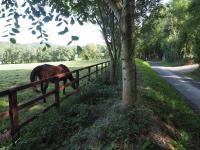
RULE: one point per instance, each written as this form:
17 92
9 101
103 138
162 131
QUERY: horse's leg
44 89
64 82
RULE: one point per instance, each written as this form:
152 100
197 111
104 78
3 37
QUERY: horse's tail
33 77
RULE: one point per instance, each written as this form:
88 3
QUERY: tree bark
128 61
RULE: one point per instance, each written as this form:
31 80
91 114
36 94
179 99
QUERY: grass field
12 75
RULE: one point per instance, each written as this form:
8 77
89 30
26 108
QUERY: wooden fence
15 108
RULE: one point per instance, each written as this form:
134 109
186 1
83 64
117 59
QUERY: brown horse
47 71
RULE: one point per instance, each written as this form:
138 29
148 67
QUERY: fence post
105 67
108 65
14 115
101 68
77 78
96 70
57 97
89 71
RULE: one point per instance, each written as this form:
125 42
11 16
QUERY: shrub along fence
15 108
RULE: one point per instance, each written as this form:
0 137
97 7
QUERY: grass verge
171 64
195 74
176 116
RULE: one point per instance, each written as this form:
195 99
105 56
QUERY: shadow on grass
170 106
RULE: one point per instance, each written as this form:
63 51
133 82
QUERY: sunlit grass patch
171 108
195 74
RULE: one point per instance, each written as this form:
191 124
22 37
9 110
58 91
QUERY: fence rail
15 108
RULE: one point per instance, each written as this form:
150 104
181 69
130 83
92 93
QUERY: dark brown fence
15 108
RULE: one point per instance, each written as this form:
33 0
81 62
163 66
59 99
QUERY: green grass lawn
12 75
195 74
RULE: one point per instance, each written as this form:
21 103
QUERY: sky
88 33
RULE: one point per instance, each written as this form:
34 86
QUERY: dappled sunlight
171 76
163 140
36 108
4 103
181 124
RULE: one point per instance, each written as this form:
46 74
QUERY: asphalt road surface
188 87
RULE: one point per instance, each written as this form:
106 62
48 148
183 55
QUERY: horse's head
69 76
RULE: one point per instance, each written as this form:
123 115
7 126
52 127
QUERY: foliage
90 52
16 54
174 33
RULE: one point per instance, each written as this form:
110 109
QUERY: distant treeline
18 53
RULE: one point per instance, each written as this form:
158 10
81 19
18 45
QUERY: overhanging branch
112 5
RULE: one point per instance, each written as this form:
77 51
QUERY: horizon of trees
21 53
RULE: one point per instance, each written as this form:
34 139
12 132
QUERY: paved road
189 88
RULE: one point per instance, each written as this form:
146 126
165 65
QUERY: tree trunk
128 62
113 69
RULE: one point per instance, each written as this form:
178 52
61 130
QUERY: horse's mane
66 69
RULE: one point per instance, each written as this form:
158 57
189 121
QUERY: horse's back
64 67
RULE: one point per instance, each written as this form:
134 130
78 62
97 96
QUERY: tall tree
124 11
109 25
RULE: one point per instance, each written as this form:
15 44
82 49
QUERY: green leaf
47 45
23 4
47 19
11 10
46 35
69 43
44 48
13 34
59 24
10 14
33 32
3 15
8 25
40 36
12 40
8 20
57 17
16 25
72 21
34 23
27 11
66 22
16 15
31 18
4 36
15 30
64 31
38 28
80 22
75 38
43 12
